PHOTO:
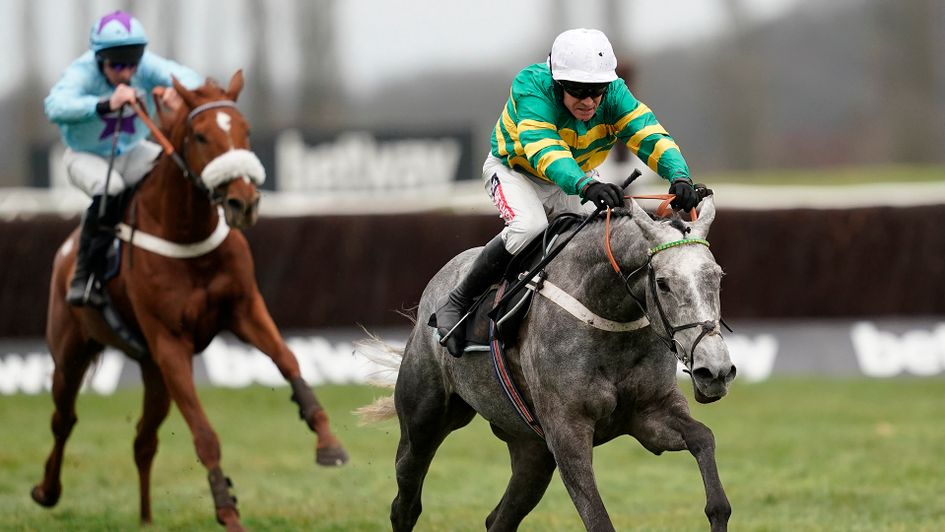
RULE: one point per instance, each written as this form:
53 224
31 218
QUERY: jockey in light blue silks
88 105
561 120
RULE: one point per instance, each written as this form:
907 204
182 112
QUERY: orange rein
662 211
155 132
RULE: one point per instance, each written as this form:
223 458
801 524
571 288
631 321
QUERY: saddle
510 316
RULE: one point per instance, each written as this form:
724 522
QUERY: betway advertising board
759 350
335 161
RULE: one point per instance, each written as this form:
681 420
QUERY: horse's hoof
229 517
44 499
331 456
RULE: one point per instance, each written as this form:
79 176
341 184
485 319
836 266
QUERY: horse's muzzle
711 385
241 213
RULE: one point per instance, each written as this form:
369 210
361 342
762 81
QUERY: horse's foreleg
72 361
175 359
256 327
571 442
532 467
157 403
669 427
701 443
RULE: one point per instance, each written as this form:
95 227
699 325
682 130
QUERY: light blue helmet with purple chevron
120 31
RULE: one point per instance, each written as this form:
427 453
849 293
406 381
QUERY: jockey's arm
647 139
159 71
169 97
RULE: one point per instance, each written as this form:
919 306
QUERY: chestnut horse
178 294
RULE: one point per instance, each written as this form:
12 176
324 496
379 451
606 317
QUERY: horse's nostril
731 372
702 373
235 204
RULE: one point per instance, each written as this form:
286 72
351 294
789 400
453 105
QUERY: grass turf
794 454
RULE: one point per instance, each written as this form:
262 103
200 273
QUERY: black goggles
583 90
118 67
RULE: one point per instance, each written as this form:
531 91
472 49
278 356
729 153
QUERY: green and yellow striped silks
536 134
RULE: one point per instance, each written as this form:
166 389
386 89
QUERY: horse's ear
184 92
700 227
649 227
236 85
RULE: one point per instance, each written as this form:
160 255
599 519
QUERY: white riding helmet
584 56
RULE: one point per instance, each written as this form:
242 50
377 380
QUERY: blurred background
820 126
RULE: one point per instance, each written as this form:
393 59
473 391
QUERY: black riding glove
604 194
686 197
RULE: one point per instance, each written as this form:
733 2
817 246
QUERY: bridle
709 327
195 179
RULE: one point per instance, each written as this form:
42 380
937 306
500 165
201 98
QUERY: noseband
708 326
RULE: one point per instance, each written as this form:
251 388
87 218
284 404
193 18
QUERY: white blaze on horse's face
224 122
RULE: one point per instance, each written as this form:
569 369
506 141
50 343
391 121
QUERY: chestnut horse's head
215 145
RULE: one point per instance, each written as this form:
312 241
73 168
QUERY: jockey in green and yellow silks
537 135
560 122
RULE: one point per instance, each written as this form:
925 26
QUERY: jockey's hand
604 194
169 97
123 94
686 197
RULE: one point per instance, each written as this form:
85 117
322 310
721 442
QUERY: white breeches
87 171
526 203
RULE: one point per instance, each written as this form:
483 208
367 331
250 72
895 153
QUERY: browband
207 106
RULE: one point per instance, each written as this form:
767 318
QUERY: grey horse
586 384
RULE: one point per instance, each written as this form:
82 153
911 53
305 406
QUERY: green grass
833 176
793 455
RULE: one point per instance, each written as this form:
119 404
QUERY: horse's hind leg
532 467
72 356
157 403
426 417
254 325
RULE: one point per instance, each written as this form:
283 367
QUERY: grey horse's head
684 288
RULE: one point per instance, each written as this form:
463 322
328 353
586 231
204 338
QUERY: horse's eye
661 282
200 138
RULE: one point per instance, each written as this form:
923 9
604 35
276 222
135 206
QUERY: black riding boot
485 271
83 289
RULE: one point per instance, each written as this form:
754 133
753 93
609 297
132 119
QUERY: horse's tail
380 410
388 357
